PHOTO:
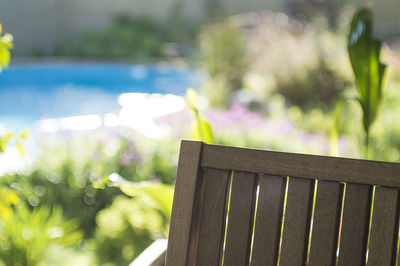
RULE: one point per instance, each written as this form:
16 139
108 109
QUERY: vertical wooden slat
382 240
268 220
355 224
185 207
212 217
325 224
296 222
396 255
240 219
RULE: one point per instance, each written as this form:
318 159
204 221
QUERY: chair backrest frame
283 208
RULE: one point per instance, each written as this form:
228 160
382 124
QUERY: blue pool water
33 91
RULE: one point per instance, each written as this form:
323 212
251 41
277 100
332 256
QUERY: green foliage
6 44
157 196
125 37
304 62
384 144
5 139
129 225
71 170
224 59
119 217
328 9
215 9
369 72
201 128
26 235
334 134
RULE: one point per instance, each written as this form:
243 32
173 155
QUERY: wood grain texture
296 222
302 165
355 225
184 205
212 221
268 220
240 217
325 227
197 223
382 242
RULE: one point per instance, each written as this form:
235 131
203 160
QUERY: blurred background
95 101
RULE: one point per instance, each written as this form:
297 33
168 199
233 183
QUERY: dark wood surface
384 227
268 220
296 222
302 165
237 249
353 239
201 196
325 224
184 205
212 221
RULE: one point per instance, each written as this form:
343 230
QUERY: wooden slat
240 219
296 222
325 226
185 207
212 222
382 242
355 224
301 165
268 220
396 257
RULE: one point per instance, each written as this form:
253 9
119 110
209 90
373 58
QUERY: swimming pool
33 91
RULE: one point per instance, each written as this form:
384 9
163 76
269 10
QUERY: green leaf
24 134
4 140
6 43
157 195
5 56
20 149
191 97
369 72
201 130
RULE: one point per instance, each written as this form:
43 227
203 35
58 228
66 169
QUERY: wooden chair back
237 206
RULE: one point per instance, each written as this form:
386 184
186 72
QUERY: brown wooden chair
236 206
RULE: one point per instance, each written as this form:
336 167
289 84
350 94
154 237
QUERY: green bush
27 235
223 57
71 170
129 225
305 62
125 37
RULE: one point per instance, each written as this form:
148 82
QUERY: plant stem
367 144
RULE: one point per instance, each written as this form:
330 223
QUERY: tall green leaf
369 72
201 129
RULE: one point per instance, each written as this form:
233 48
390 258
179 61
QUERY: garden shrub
129 225
27 236
125 37
223 58
71 170
305 62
